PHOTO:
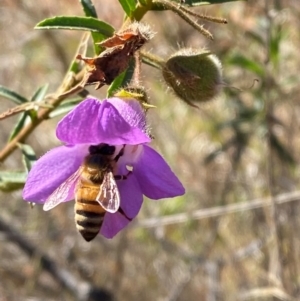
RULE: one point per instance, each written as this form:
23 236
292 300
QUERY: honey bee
96 190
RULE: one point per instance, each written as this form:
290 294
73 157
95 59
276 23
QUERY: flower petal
113 223
131 196
155 177
51 170
92 122
131 111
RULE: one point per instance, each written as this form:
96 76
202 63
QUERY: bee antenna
93 149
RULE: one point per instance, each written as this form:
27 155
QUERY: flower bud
135 92
194 75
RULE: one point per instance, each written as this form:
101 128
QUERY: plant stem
43 114
275 265
152 60
184 15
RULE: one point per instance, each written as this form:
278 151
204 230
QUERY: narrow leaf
40 93
128 6
255 36
28 106
65 107
246 63
90 11
143 2
11 95
77 23
156 62
275 45
97 38
88 8
19 125
12 180
122 80
29 156
75 65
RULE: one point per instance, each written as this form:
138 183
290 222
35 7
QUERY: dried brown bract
120 48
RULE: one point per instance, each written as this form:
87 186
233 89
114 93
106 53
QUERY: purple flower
113 122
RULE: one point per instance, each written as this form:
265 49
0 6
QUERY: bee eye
108 150
93 149
102 149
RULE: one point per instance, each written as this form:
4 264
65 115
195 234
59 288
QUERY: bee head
102 149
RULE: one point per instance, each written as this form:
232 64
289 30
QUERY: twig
213 277
217 211
81 290
177 290
23 107
211 267
26 131
275 265
182 14
264 293
69 86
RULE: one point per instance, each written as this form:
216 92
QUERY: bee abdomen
89 220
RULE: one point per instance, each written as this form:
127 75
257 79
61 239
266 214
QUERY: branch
217 211
81 290
264 293
68 87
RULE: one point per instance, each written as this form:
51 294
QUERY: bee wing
109 197
62 191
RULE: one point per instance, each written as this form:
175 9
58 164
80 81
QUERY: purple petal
51 170
113 223
155 177
131 196
131 111
92 122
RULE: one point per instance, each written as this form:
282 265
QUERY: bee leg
123 177
120 154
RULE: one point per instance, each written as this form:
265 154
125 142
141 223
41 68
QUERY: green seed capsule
194 75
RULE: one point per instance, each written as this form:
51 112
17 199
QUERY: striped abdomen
89 215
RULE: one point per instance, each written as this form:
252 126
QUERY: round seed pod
194 75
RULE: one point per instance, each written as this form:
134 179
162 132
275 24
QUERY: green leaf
150 62
143 2
122 80
88 8
76 65
29 156
65 107
77 23
257 37
19 125
245 63
11 95
40 93
97 37
90 11
12 180
128 6
275 45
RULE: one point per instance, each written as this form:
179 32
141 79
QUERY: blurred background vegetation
235 233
